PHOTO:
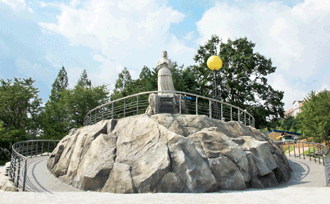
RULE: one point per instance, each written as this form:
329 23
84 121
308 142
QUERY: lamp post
215 63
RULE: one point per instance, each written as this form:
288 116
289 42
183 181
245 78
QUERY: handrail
321 151
88 117
23 150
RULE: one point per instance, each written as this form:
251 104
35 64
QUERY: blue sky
37 38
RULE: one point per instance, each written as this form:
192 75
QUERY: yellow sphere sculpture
214 62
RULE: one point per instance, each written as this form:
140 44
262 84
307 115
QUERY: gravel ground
305 186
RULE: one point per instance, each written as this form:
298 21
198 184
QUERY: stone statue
164 67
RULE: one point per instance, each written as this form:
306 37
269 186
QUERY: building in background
295 109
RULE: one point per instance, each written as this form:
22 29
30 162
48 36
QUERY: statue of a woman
164 67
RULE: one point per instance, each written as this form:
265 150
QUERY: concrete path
305 186
39 179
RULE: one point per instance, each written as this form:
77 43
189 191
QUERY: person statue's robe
164 66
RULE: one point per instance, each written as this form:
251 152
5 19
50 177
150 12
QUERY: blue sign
189 98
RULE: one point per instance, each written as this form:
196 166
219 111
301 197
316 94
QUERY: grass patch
286 149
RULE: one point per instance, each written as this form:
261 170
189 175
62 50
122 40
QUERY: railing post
24 176
210 108
294 149
289 148
303 144
221 111
124 108
180 103
299 149
112 111
196 105
48 148
239 116
231 113
37 148
318 148
137 105
18 171
309 152
314 152
42 147
244 118
323 153
102 114
31 149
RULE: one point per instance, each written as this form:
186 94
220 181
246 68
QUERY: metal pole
238 115
294 149
18 171
303 149
231 113
48 148
37 148
221 111
112 112
32 149
90 118
309 152
210 109
299 148
137 105
318 148
289 147
314 152
102 114
24 176
196 105
180 103
323 153
124 108
42 146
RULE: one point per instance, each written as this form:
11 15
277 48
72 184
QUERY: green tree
314 119
123 86
84 81
61 83
83 98
242 79
19 110
68 109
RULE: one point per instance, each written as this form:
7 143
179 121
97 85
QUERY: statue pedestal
166 103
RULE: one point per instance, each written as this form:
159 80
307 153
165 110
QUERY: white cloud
295 38
15 4
123 34
28 69
4 49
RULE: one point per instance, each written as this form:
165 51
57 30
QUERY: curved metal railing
23 150
315 151
196 104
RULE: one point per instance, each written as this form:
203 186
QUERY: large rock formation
168 153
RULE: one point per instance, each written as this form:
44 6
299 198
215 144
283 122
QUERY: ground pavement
305 186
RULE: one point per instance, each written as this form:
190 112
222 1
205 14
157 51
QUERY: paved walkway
39 179
305 186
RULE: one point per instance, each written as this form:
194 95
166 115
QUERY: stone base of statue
166 103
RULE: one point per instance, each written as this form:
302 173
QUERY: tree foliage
68 109
314 119
19 110
242 79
